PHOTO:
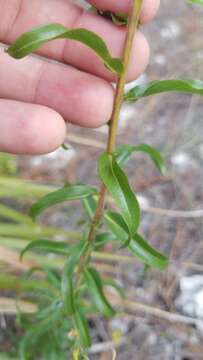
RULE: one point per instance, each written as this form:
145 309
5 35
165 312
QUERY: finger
29 129
149 10
149 7
79 97
18 16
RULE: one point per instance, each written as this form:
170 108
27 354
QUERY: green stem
35 232
132 28
15 187
11 282
41 260
14 215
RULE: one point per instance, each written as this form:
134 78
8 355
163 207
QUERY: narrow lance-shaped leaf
102 239
120 18
67 289
146 253
35 331
32 40
118 288
117 184
53 277
162 86
138 246
95 287
117 18
81 325
90 205
67 193
123 153
117 225
53 308
57 247
14 215
65 147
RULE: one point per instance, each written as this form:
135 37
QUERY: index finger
149 7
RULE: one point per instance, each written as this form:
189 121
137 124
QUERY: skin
37 94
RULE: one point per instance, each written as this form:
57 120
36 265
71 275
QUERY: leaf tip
32 214
65 147
9 51
22 253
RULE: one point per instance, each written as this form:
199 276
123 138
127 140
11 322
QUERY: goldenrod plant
69 297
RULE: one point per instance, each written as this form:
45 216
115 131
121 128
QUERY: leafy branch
79 289
132 27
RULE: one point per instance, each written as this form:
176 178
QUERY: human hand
36 94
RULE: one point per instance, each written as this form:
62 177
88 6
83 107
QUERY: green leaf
117 184
65 147
137 246
35 331
126 243
103 239
32 40
53 277
49 310
90 205
67 193
29 338
82 328
123 153
14 215
67 289
56 247
143 251
116 286
95 287
120 18
157 87
117 225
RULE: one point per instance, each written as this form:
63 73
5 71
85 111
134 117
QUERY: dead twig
131 306
174 213
13 306
11 257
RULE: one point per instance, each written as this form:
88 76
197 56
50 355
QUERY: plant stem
132 28
111 143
